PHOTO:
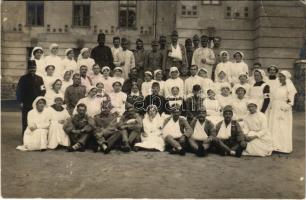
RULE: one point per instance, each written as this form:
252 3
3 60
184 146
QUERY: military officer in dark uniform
29 87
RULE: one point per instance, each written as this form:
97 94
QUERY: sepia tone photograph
153 99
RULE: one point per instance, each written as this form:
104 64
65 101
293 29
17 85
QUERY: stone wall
58 14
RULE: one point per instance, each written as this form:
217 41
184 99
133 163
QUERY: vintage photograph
153 99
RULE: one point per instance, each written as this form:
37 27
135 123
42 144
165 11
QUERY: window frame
189 16
136 13
36 13
81 3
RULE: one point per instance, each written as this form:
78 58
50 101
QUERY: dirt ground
55 174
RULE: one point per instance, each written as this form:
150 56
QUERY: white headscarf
34 49
290 86
227 54
173 69
53 45
67 51
36 100
81 53
240 52
156 71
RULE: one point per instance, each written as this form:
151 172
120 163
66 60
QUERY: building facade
271 32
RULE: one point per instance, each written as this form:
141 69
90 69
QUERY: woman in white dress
237 67
67 81
206 83
117 75
257 135
49 78
107 80
174 80
260 91
213 107
243 78
146 86
54 92
84 59
38 56
222 79
92 103
55 60
118 98
152 138
35 136
225 98
158 77
224 65
59 115
280 121
68 63
239 105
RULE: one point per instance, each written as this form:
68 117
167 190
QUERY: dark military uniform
29 87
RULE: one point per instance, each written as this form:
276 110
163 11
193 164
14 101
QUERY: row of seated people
52 126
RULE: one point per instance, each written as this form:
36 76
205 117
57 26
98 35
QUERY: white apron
225 132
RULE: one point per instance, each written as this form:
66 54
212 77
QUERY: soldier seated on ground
230 139
131 125
107 132
203 134
80 129
175 131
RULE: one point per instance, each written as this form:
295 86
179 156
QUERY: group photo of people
173 97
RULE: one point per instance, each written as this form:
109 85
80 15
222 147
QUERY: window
127 14
237 13
189 9
35 13
81 13
211 2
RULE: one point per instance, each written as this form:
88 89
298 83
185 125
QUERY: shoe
182 152
81 149
136 149
105 149
42 150
201 151
70 149
126 148
239 152
173 151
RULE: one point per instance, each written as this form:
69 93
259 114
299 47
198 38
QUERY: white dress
280 120
240 109
37 139
92 104
225 67
96 79
256 94
213 110
146 88
256 125
57 62
154 139
69 65
127 57
65 84
118 100
89 62
237 69
108 84
57 135
224 101
178 82
50 96
162 87
48 81
190 82
40 66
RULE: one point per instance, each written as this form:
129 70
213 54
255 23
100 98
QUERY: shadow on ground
55 174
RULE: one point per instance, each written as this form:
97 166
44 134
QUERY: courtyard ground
57 174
